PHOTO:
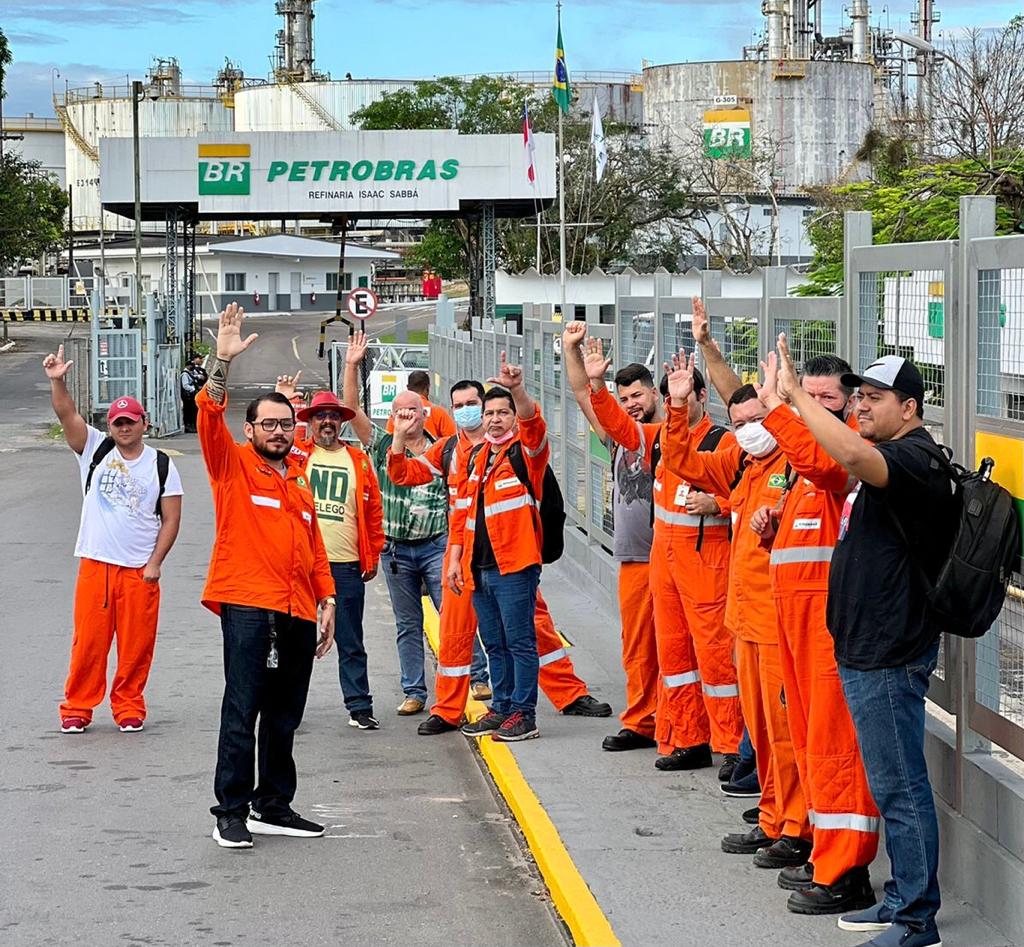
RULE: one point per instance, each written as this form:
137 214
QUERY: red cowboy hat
321 401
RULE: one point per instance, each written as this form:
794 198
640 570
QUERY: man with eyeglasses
348 511
130 515
268 576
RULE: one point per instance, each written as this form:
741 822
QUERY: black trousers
274 696
189 412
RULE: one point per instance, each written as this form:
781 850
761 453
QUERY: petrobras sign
727 133
312 174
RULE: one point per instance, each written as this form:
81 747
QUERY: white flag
597 140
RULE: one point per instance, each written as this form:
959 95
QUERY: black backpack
447 452
708 442
551 507
163 465
968 593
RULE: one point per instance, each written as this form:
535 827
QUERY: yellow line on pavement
572 897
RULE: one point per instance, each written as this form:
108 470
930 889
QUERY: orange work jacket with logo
370 519
809 525
671 518
750 608
423 468
268 551
438 422
511 514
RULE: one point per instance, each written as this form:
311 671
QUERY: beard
326 437
273 450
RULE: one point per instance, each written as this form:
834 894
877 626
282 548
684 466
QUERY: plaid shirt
410 513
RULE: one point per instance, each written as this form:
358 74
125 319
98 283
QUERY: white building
265 274
41 139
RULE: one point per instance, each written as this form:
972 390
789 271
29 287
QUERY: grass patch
55 432
416 337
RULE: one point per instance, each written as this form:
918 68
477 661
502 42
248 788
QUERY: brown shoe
481 691
410 706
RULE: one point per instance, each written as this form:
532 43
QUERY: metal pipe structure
859 14
773 11
295 41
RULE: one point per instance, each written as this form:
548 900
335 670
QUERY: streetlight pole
136 95
924 46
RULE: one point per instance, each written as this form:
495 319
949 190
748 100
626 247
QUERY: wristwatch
328 600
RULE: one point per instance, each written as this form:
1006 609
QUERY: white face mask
755 440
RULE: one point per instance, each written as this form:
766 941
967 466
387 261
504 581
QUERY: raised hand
680 377
356 350
288 385
700 326
509 376
768 392
573 334
55 366
594 362
405 420
788 380
229 333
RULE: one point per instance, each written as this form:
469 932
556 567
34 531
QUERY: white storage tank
817 112
167 108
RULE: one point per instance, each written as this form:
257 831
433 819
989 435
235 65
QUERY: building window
234 282
207 281
332 282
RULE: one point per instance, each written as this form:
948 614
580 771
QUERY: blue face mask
469 417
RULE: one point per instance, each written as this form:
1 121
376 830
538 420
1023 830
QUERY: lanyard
844 519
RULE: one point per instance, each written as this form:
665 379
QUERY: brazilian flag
560 87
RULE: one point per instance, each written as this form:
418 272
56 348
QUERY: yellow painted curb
572 897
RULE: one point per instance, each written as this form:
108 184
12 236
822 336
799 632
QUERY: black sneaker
230 832
728 767
289 823
489 722
517 726
364 720
747 843
628 740
690 757
752 816
796 877
434 725
851 892
784 852
587 706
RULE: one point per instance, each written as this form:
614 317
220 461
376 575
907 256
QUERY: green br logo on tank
224 169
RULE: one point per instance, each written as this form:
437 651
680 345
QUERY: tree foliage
32 209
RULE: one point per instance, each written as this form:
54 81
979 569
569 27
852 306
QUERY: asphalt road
106 835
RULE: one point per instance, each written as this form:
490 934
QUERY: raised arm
576 373
412 471
76 431
720 374
215 440
354 355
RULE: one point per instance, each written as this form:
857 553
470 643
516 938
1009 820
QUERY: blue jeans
887 707
350 592
274 696
505 606
408 569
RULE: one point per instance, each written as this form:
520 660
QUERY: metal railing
954 307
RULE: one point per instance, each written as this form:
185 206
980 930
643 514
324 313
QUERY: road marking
295 349
570 894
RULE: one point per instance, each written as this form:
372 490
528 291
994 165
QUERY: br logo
224 169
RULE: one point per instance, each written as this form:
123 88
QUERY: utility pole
136 95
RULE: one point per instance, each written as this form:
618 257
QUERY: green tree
32 209
626 219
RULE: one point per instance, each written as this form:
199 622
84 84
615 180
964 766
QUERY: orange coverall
438 423
750 613
557 676
698 701
843 816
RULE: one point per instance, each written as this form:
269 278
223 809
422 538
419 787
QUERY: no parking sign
362 303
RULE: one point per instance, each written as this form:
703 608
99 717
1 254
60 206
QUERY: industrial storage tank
816 112
167 108
309 106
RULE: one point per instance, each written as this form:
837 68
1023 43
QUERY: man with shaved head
415 525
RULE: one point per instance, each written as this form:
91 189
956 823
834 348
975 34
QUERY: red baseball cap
126 408
323 400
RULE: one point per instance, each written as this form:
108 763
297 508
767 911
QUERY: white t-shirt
119 523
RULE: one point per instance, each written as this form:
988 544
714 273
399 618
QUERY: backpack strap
713 438
739 471
518 462
163 466
105 447
446 457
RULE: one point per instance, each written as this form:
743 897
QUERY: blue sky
100 40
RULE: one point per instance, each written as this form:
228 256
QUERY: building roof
289 245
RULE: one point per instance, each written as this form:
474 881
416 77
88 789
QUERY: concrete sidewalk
107 835
648 843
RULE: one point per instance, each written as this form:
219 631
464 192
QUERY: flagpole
538 244
561 196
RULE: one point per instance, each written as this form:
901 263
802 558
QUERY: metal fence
955 307
64 292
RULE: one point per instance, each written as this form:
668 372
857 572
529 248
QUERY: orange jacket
750 608
670 516
422 469
438 423
370 521
809 525
268 552
513 521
